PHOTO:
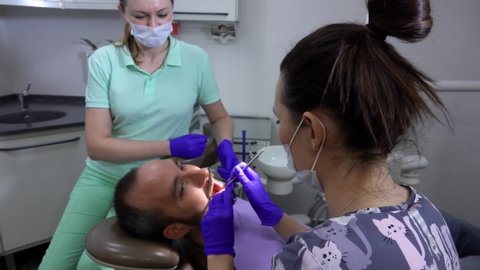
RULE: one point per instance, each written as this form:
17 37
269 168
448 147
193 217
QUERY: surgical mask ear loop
295 133
323 142
308 177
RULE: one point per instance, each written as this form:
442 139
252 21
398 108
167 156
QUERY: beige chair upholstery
107 244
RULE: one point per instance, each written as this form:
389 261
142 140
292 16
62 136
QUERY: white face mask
151 37
307 177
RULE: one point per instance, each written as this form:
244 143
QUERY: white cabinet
189 10
90 4
66 4
186 10
206 10
33 3
37 174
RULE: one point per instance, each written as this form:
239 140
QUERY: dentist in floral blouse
344 99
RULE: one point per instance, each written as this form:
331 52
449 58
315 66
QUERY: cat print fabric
412 236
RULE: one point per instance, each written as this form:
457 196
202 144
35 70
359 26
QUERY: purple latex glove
227 158
188 146
268 212
217 224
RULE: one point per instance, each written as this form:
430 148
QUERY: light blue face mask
307 177
151 37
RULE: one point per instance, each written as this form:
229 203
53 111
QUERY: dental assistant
345 98
140 96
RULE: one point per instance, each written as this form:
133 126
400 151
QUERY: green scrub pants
90 202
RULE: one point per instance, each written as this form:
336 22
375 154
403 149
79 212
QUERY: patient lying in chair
164 199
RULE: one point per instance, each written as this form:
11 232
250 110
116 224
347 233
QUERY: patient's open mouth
208 188
211 186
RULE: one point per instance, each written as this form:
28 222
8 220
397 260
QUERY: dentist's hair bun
407 20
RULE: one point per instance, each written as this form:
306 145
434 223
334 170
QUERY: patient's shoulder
191 254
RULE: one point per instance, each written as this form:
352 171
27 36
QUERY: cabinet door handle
38 145
200 13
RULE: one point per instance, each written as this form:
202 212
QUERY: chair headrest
108 244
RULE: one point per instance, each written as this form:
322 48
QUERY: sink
30 117
273 163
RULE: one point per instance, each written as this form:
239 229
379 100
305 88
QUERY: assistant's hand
188 146
227 158
268 212
217 224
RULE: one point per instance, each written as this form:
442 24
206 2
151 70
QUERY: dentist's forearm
288 226
121 151
223 129
220 262
222 123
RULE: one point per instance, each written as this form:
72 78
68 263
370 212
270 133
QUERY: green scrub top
146 106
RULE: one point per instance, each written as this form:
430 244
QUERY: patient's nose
198 177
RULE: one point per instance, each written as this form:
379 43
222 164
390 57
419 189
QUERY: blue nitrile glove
188 146
217 224
227 158
268 212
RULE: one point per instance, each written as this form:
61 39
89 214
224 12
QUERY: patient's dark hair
351 72
142 223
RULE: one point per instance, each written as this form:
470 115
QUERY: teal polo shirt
146 106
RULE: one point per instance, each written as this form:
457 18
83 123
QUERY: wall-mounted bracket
223 33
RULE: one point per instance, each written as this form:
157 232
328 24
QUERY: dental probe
209 174
248 164
209 181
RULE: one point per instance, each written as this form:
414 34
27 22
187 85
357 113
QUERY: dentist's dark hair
351 72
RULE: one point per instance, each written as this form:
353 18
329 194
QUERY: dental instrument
209 185
248 164
244 140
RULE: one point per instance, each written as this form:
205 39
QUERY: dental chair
108 245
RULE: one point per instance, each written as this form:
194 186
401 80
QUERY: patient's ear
176 230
